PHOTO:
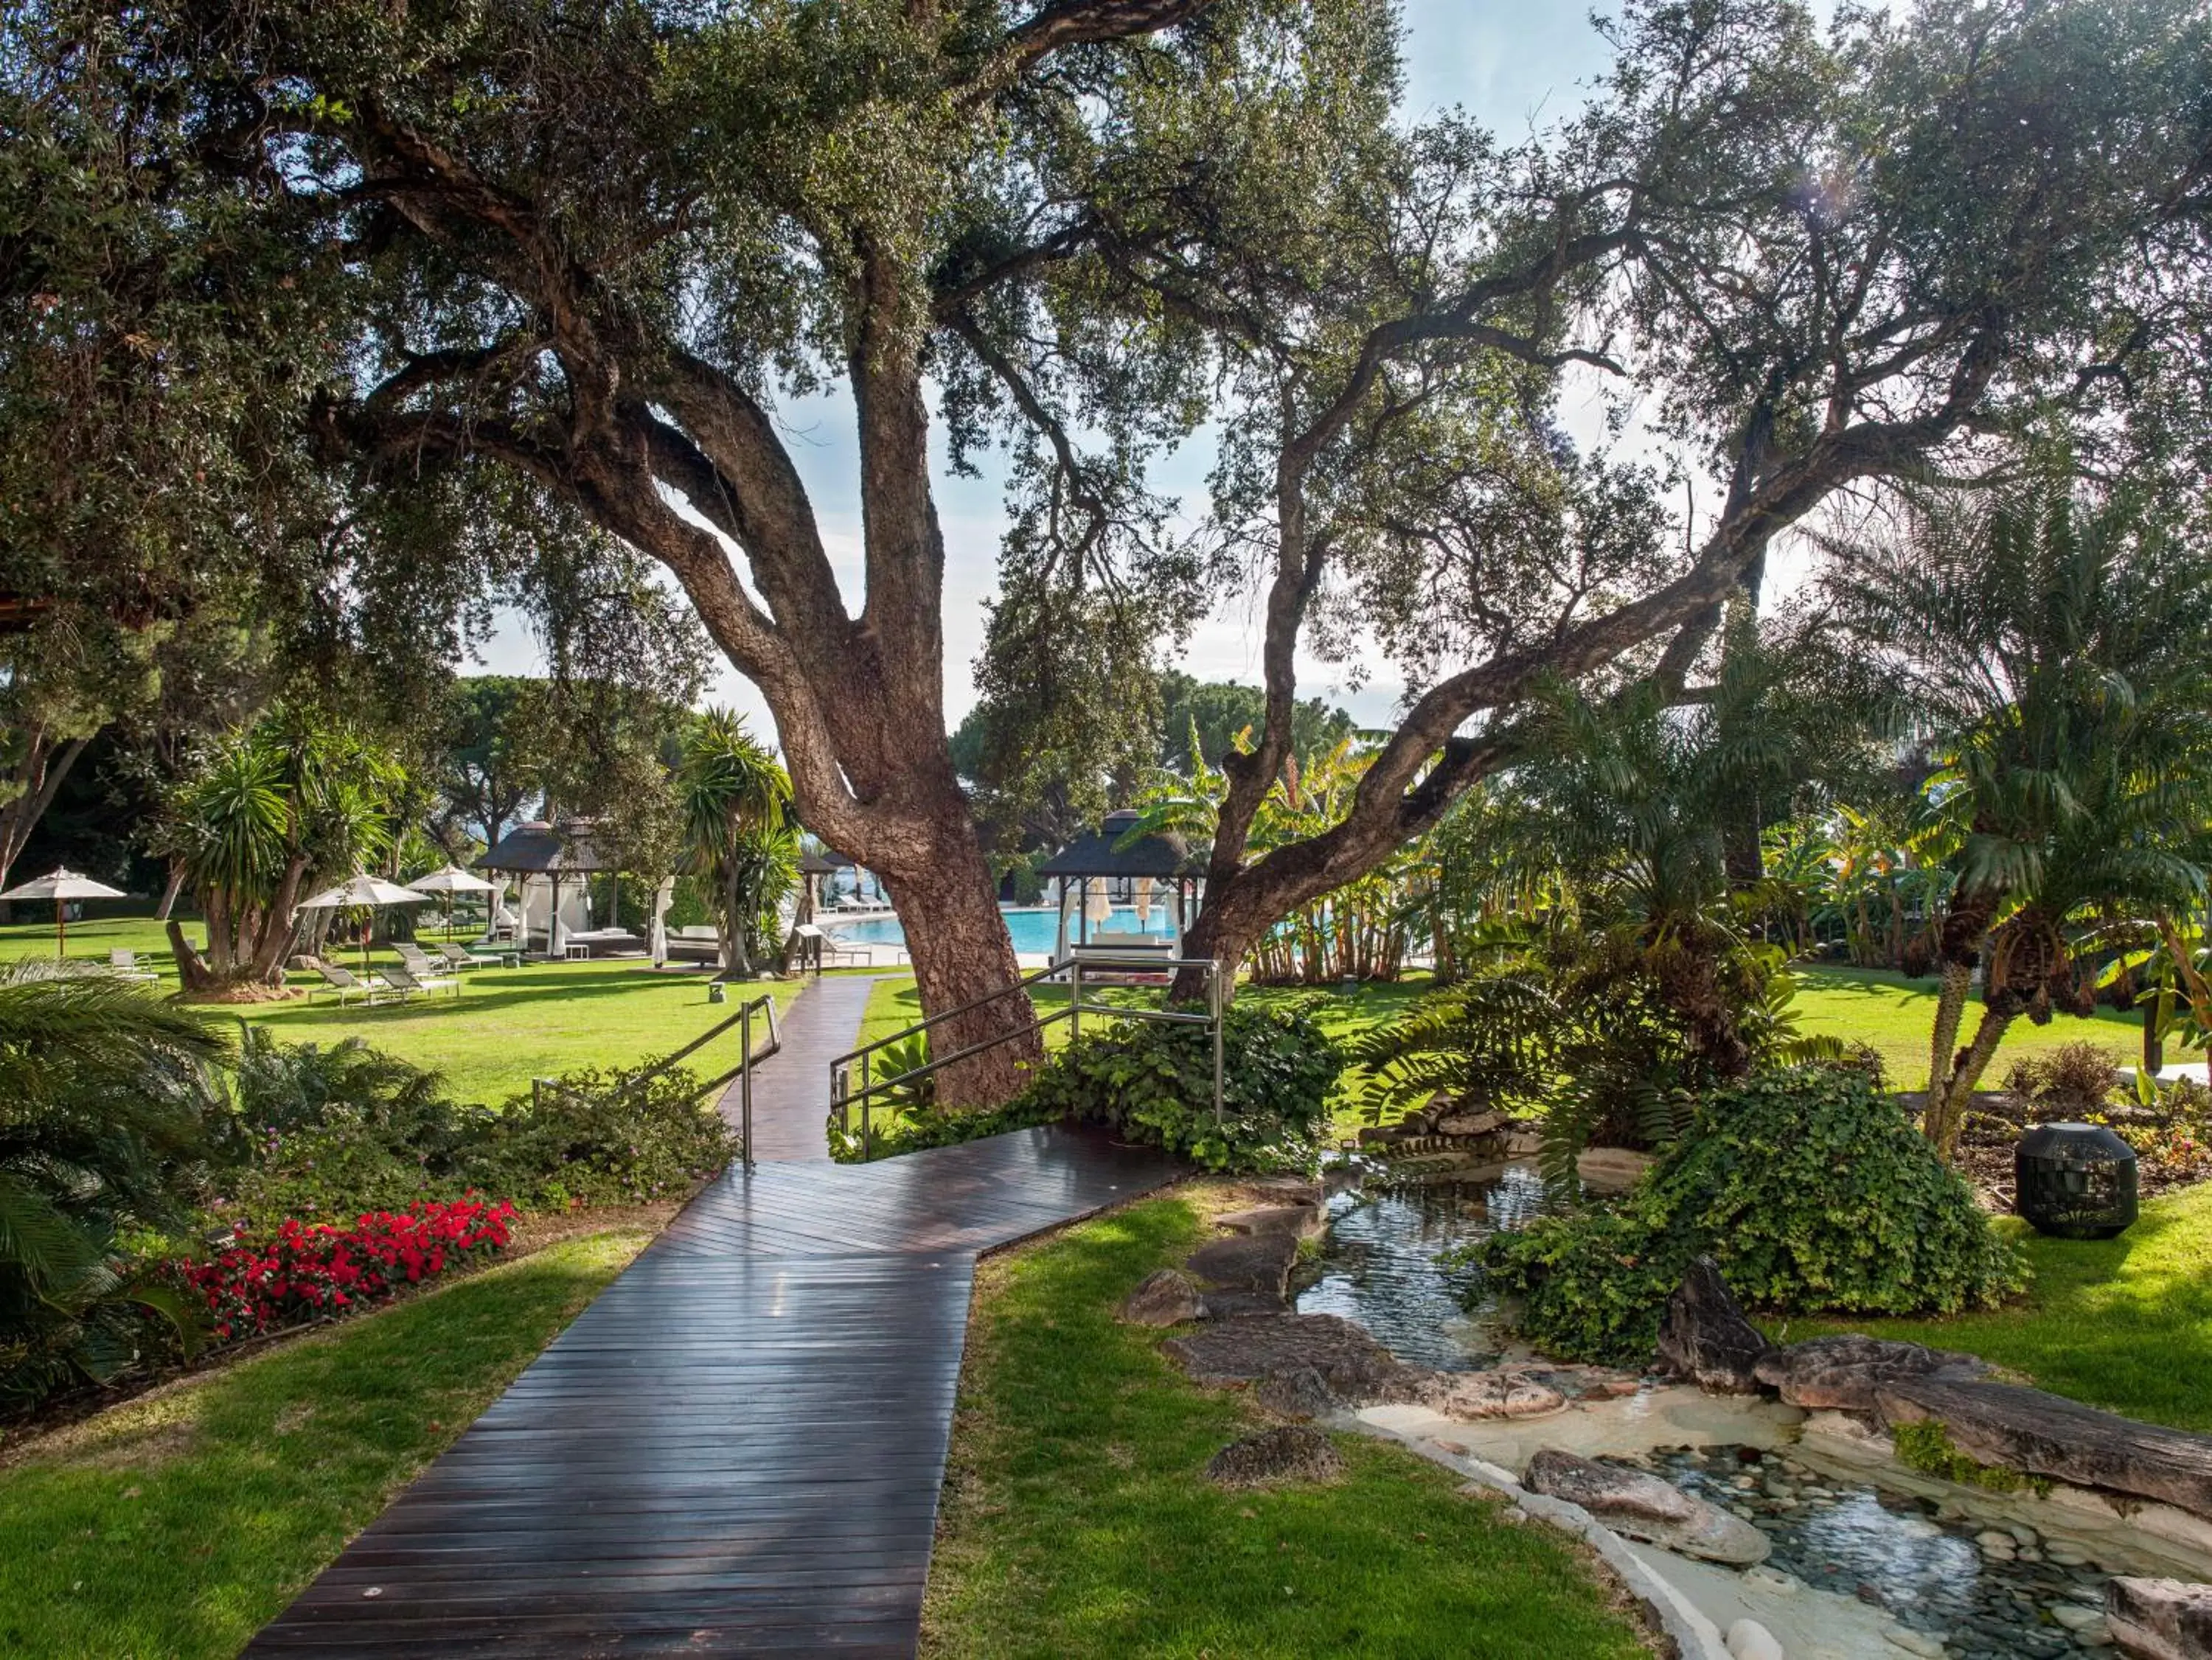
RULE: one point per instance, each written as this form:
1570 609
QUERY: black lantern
2075 1181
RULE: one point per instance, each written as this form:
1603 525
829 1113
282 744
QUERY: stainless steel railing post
1213 995
745 1080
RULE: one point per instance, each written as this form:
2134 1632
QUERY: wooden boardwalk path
737 1449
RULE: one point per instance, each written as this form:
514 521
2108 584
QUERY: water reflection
1378 1262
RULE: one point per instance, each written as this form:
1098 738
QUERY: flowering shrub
307 1270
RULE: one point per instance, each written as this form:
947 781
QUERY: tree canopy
559 268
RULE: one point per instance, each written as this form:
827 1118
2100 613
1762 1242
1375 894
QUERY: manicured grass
175 1527
1898 1017
511 1025
2122 1324
508 1026
1078 1524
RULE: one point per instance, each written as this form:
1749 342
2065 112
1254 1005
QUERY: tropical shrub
1153 1083
1609 1035
331 1131
304 1271
1813 1192
601 1137
106 1119
2070 1082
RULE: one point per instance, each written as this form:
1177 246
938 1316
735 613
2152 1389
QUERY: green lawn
1078 1521
2122 1324
174 1527
1898 1017
508 1026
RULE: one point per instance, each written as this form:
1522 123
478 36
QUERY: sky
1514 66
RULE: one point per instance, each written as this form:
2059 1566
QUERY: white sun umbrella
450 880
63 886
363 892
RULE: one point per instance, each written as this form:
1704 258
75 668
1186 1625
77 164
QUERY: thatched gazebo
546 860
1094 870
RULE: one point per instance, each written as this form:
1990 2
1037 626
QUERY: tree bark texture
38 775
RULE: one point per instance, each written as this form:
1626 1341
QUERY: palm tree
270 809
104 1112
737 829
2058 657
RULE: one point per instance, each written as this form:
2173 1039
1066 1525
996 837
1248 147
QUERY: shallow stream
1378 1263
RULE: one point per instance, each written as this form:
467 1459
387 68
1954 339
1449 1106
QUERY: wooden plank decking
736 1448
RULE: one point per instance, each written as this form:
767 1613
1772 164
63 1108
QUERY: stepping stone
1298 1221
1259 1263
1292 1452
1167 1298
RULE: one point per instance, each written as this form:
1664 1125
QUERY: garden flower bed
313 1270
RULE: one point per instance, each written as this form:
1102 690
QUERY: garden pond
1868 1558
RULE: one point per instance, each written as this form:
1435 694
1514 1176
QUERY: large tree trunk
961 951
38 774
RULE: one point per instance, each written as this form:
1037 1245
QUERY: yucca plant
106 1117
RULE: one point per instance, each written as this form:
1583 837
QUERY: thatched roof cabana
535 848
1162 856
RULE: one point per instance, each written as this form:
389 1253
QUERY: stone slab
2046 1434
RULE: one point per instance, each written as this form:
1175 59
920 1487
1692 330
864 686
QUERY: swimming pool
1035 931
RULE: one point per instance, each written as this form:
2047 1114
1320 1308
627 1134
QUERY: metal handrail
748 1058
842 1095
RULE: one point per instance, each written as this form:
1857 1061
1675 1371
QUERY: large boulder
1704 1337
2159 1619
1470 1122
1167 1298
1641 1507
1298 1221
2042 1434
1252 1349
1290 1452
1502 1394
1844 1372
1254 1268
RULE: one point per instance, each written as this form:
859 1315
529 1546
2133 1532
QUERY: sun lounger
125 964
419 962
457 957
404 983
342 981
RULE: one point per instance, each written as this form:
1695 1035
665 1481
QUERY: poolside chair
125 964
405 983
342 981
419 962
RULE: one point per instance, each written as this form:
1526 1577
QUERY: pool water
1035 929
